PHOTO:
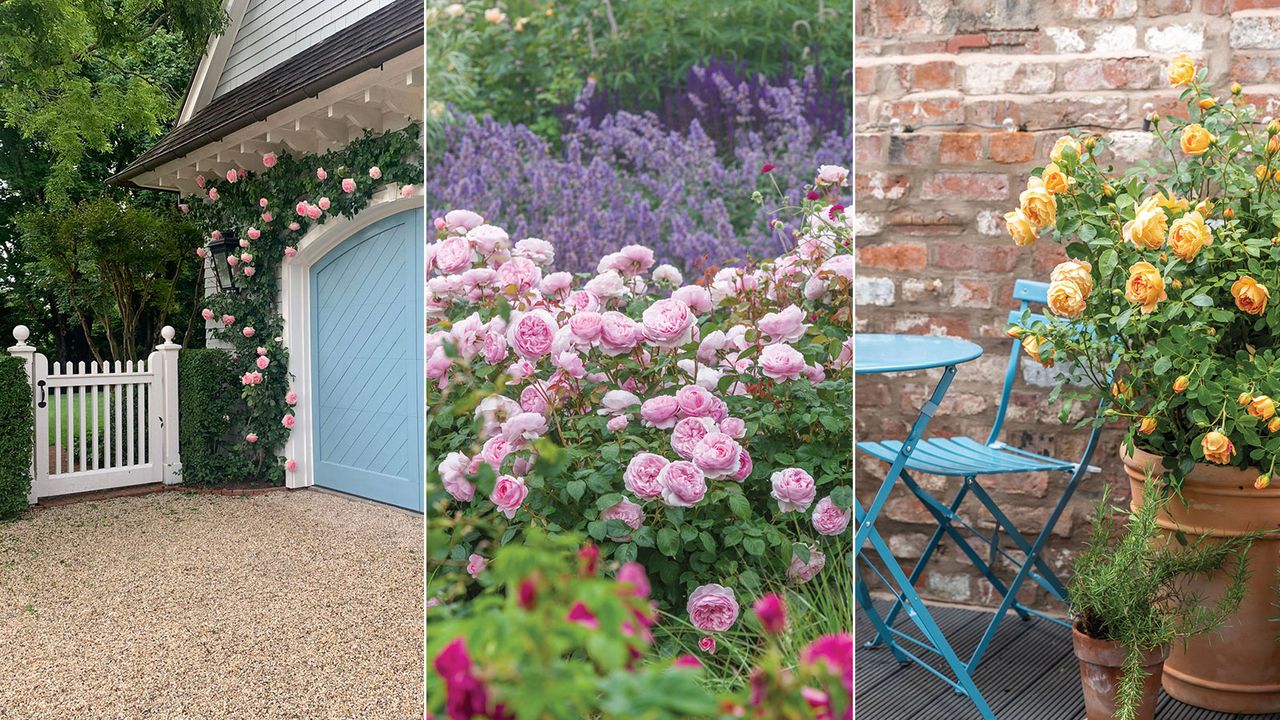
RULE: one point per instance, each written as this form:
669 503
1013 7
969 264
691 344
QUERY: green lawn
70 415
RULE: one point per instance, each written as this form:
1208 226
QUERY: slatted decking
1030 673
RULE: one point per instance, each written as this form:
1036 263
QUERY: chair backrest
1026 292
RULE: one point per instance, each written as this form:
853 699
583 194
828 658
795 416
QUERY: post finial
21 333
167 333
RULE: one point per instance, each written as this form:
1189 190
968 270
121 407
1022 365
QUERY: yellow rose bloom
1181 71
1020 228
1217 448
1056 181
1144 286
1188 235
1038 204
1066 141
1148 226
1147 426
1171 202
1195 140
1250 296
1262 407
1079 272
1065 299
1031 343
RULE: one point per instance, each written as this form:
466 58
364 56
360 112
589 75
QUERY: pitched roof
385 34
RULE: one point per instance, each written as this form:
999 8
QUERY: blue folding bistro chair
970 459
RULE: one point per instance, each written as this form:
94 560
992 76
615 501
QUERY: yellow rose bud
1145 286
1056 181
1108 190
1188 235
1079 272
1170 202
1038 204
1250 296
1273 127
1181 383
1014 332
1205 207
1273 424
1260 172
1020 227
1148 226
1065 299
1236 88
1244 398
1229 213
1064 142
1262 482
1195 140
1217 448
1147 426
1120 390
1181 71
1031 344
1273 144
1262 407
1207 103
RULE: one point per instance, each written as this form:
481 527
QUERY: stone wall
933 254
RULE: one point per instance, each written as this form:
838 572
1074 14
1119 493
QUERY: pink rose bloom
688 432
262 202
453 474
520 273
348 185
838 265
509 494
261 350
254 233
836 653
246 258
581 615
536 250
803 572
626 511
291 398
375 172
251 438
213 194
314 212
301 208
781 362
438 364
495 348
201 253
708 645
476 565
216 235
321 174
524 427
793 488
406 191
832 175
571 363
532 333
556 283
233 261
745 467
582 300
733 427
244 243
249 271
618 424
586 326
269 160
668 323
695 401
618 333
463 220
785 326
712 608
294 226
712 343
184 207
290 252
266 217
533 399
207 314
228 320
323 204
815 288
660 412
683 484
231 176
717 455
248 332
696 297
289 421
616 402
201 182
641 475
606 285
633 574
687 661
262 362
291 465
494 451
829 518
489 239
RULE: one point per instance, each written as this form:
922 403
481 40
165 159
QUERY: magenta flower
772 613
766 168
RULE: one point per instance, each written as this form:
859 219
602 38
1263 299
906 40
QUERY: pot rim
1206 476
1150 658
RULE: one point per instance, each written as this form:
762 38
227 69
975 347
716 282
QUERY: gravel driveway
180 606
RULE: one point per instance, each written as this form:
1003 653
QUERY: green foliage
539 55
1134 590
17 435
208 404
293 179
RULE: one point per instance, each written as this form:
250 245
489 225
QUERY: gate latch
42 402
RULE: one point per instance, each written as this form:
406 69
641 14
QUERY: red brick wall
933 255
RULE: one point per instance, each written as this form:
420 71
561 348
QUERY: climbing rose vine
700 426
270 210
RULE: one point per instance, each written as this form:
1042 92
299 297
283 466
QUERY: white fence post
167 372
27 353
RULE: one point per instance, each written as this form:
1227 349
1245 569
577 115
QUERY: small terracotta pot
1101 664
1236 667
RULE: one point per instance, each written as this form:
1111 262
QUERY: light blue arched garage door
367 365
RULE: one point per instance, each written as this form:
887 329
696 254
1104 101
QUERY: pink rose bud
200 181
375 172
251 438
248 331
321 174
207 314
241 173
476 565
213 194
289 421
294 226
269 160
244 243
184 207
348 185
231 176
249 271
201 253
290 252
262 202
267 217
216 235
323 204
406 191
262 362
291 398
254 233
291 465
708 645
228 320
261 350
772 613
439 223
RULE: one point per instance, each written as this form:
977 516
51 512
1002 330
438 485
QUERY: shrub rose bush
701 428
1162 308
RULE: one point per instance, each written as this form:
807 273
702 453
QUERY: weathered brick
1152 8
874 291
971 293
911 112
914 149
965 185
984 256
1238 5
937 75
894 256
867 147
880 186
1015 147
1009 77
1175 39
864 79
1112 73
1094 9
1255 32
913 222
961 148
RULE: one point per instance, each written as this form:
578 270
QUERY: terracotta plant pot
1101 663
1236 668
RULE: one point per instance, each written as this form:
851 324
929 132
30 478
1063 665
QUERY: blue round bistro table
876 354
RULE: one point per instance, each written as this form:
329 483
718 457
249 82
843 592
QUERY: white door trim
295 309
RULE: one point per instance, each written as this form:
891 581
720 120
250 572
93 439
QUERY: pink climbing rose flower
251 438
207 314
375 172
213 194
323 204
291 465
231 176
291 397
829 518
406 191
228 320
249 271
509 494
348 185
712 608
793 488
248 331
641 475
289 421
321 174
262 362
254 233
683 484
290 251
269 160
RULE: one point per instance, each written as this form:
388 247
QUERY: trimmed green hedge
17 436
208 402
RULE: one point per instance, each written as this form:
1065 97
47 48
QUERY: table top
885 353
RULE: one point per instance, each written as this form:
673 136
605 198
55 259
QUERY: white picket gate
113 425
